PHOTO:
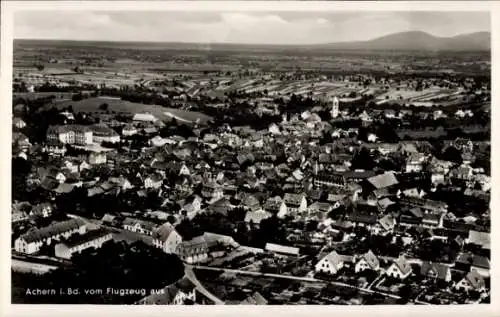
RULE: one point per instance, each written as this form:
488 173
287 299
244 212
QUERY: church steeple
335 107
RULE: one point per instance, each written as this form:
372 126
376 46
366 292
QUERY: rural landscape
165 173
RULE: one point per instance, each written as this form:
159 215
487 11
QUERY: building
18 123
367 261
70 134
153 181
473 281
254 299
275 206
139 226
166 238
400 268
212 191
295 203
78 243
96 158
144 117
436 271
330 264
178 293
193 251
102 133
34 239
282 249
334 112
415 162
129 130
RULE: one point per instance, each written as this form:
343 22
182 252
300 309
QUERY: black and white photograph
250 157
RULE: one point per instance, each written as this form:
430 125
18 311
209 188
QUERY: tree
363 160
104 107
452 154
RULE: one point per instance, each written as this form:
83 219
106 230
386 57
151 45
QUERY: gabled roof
440 270
334 258
52 230
163 232
387 222
254 299
479 238
475 279
371 259
293 199
403 265
256 216
281 249
383 180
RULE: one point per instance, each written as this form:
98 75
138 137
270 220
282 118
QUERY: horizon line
237 43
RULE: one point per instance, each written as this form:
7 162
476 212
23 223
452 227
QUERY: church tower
335 107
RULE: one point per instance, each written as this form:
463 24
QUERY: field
91 105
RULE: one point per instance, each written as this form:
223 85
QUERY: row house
139 226
78 243
34 239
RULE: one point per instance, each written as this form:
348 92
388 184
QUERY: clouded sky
240 27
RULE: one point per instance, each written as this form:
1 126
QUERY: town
256 185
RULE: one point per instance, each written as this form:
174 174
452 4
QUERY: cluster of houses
282 172
401 268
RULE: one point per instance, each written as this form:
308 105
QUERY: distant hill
404 41
418 41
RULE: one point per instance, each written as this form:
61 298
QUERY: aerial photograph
251 157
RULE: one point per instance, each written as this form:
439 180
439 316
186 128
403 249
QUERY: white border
7 9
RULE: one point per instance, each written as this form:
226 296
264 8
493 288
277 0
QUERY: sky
240 27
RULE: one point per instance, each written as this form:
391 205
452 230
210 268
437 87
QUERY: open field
91 105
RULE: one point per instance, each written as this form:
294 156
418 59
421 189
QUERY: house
139 226
79 242
414 163
256 216
330 264
220 205
436 271
212 190
295 203
320 209
473 281
254 299
276 206
108 219
281 249
103 133
400 268
193 251
479 238
178 293
18 123
129 130
32 241
384 225
383 181
43 210
96 158
166 238
473 262
153 181
367 261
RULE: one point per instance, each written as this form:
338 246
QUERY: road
192 277
23 266
295 278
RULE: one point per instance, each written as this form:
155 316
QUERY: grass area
91 105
